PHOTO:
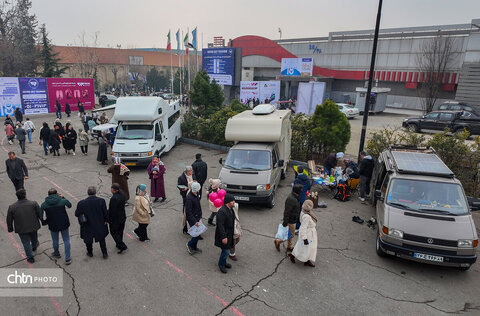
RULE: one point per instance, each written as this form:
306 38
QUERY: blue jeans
223 257
59 114
45 147
29 241
328 172
29 133
193 242
66 242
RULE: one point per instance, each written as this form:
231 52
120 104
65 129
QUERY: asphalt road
161 278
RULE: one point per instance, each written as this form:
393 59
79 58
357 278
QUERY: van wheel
271 201
379 249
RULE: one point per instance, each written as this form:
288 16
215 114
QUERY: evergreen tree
51 67
206 96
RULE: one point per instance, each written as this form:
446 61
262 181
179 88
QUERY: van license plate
241 198
130 164
427 257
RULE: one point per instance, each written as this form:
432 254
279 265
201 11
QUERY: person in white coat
306 248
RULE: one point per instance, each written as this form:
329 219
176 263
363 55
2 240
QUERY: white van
147 126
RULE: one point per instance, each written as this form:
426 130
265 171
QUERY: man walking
290 216
93 218
366 170
16 170
58 222
25 216
184 183
29 127
193 212
58 109
117 217
200 169
224 231
20 133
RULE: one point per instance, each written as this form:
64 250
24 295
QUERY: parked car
107 99
458 106
349 110
422 212
105 128
455 121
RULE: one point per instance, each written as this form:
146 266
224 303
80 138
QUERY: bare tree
434 61
86 57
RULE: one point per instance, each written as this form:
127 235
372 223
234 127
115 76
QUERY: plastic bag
196 231
282 232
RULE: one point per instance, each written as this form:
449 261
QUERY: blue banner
9 96
33 92
219 64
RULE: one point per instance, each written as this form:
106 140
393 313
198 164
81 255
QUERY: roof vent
263 109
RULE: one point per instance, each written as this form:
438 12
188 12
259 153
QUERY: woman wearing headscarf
83 140
156 169
120 174
213 187
70 139
142 211
55 140
67 109
306 248
102 149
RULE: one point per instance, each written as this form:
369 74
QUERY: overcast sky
145 23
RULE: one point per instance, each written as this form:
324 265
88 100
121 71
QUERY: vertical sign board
219 64
9 96
297 67
269 90
33 92
71 90
249 90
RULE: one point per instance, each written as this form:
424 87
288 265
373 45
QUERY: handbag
282 232
82 219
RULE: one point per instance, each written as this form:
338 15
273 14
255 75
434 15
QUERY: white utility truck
258 160
147 126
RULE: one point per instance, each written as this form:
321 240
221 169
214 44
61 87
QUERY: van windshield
134 131
243 159
427 196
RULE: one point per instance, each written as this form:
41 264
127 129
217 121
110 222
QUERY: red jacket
9 130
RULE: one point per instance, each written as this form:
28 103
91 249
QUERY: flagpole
188 60
171 72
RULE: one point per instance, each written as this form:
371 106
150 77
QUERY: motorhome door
160 139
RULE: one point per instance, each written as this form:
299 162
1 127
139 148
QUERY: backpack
343 193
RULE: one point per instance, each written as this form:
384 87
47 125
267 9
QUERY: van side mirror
281 163
378 195
220 161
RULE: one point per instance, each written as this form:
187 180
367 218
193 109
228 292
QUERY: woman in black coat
70 139
54 141
224 231
81 108
67 109
18 115
102 149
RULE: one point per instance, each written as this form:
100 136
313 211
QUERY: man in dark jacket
117 217
290 216
224 231
193 213
25 216
45 137
200 169
184 183
95 211
20 133
331 162
58 109
366 170
18 115
16 170
58 222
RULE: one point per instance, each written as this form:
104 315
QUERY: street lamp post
370 79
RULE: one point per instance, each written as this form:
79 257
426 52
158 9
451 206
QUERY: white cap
196 187
339 155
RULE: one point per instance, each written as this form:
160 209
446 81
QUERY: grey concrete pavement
161 278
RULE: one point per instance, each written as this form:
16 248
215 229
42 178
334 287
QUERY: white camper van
258 160
147 126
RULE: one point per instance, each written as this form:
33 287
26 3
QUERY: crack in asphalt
399 299
13 263
71 278
247 293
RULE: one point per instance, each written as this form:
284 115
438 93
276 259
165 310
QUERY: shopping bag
282 232
196 231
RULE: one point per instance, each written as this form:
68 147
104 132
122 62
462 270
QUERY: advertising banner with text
9 96
34 95
71 90
296 67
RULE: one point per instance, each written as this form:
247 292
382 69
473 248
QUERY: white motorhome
258 160
147 126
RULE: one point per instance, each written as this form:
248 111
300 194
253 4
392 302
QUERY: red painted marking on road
59 187
30 266
3 147
233 309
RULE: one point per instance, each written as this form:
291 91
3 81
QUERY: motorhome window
427 196
243 159
172 119
134 131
